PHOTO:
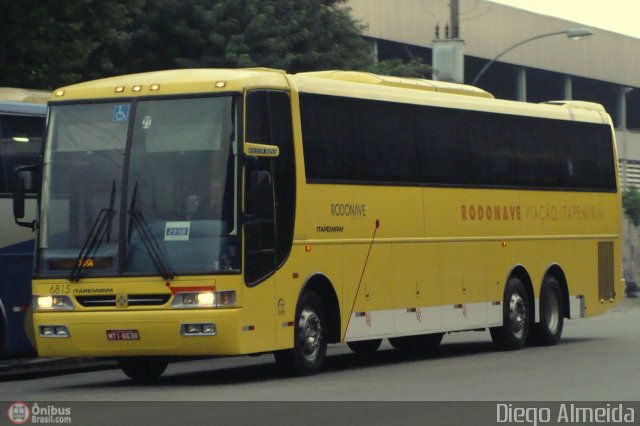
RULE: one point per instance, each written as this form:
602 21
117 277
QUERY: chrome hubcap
517 315
310 330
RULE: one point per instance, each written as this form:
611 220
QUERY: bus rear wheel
549 330
310 338
365 347
516 321
143 369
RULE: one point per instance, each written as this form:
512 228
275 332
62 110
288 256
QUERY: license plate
123 335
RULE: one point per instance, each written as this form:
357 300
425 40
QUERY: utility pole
448 53
455 18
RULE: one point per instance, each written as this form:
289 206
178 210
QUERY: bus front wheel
310 338
516 321
143 369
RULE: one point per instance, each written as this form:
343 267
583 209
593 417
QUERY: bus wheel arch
317 323
518 311
322 286
557 272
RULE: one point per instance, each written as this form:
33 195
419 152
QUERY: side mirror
18 198
24 182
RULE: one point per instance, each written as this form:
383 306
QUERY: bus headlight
204 299
52 303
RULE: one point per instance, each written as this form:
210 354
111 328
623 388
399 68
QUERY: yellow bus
228 212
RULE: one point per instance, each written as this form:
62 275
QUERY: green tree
631 204
294 35
45 44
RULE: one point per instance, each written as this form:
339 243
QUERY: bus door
269 210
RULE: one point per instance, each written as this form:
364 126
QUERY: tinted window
357 140
21 138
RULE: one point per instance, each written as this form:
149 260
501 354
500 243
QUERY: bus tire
423 344
549 330
143 369
365 347
516 318
310 338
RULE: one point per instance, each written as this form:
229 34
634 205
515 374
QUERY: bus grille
132 299
605 271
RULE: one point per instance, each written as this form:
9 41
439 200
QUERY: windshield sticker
120 113
146 122
177 231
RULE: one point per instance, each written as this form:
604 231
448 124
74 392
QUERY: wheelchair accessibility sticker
120 113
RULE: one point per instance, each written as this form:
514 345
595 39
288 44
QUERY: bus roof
171 82
404 82
332 82
24 95
22 108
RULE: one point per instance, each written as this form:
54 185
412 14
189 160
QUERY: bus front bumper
139 333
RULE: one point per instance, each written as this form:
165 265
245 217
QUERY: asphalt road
597 360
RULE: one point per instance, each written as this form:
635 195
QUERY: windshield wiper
101 227
155 251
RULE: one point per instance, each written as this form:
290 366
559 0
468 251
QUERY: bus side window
20 141
268 115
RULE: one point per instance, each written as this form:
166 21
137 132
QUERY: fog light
54 331
208 329
193 328
61 331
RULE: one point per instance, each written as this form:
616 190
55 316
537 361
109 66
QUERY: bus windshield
140 188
